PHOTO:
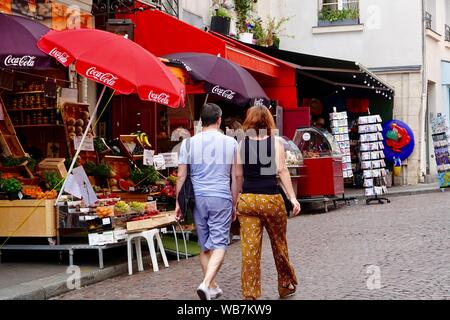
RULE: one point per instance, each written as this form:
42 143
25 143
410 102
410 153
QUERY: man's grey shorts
212 216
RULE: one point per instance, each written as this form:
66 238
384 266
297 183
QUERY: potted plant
221 19
330 17
244 25
269 35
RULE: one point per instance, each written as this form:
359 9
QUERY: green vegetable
99 146
101 170
11 185
146 175
14 162
54 182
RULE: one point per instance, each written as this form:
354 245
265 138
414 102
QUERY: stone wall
407 106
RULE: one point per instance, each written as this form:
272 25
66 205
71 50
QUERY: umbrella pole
74 160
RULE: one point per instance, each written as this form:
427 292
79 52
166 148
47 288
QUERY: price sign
170 159
88 144
159 162
148 157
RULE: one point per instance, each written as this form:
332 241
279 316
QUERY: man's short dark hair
210 114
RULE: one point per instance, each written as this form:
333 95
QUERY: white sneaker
215 292
203 292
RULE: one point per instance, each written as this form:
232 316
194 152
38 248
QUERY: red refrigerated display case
321 172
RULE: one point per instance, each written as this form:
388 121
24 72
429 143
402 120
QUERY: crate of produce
53 165
156 221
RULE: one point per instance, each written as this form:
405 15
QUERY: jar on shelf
45 117
39 117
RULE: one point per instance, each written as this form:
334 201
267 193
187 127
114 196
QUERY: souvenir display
339 129
441 150
372 157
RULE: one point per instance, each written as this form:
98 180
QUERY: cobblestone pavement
408 240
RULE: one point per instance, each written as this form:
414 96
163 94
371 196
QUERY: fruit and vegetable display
144 175
147 215
137 206
104 211
36 192
121 207
142 138
11 185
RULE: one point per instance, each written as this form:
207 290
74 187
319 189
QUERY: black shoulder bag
186 197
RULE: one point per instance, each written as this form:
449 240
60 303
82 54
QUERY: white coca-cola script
103 77
226 93
258 102
161 98
59 55
24 61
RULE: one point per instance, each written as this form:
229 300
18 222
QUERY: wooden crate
126 143
158 221
53 165
42 223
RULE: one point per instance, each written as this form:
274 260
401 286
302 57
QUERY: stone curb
56 285
404 193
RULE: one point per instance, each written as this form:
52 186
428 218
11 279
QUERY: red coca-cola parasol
115 62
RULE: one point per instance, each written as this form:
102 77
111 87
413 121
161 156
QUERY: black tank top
260 171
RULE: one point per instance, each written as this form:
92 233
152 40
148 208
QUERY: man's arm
181 177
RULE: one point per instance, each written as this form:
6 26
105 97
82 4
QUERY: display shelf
441 149
339 128
30 109
371 157
38 125
27 92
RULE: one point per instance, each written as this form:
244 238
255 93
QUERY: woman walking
262 158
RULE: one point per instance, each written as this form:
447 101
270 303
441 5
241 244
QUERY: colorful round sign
398 140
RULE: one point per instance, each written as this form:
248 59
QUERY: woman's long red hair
259 118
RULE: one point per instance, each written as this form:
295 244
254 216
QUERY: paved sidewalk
25 281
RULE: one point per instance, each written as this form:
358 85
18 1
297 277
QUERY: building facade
405 42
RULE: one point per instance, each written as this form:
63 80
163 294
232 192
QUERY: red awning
163 34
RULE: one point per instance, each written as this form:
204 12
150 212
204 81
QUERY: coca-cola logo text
24 61
59 55
104 77
226 93
161 98
258 102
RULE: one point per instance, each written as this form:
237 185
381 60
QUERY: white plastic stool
149 235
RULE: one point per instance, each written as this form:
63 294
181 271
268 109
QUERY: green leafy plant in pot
221 17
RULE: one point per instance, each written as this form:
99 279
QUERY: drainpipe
424 149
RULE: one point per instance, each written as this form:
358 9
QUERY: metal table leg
176 242
71 257
100 258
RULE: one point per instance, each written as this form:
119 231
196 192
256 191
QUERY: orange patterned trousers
256 211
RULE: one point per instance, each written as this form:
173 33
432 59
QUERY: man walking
212 159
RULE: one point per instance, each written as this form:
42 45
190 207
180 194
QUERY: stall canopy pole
74 160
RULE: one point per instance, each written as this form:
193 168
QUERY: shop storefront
155 31
336 94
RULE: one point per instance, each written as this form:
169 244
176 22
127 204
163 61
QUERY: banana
138 136
147 143
141 138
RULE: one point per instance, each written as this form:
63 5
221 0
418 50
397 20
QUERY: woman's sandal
287 291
